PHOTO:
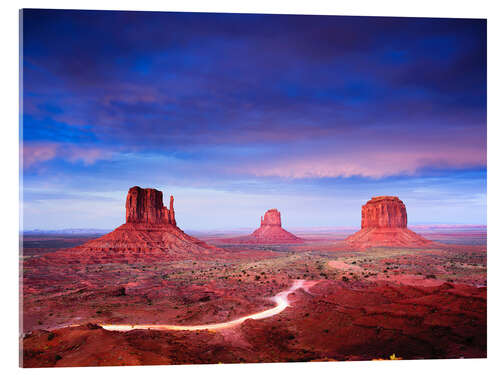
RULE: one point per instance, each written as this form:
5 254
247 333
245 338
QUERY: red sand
336 321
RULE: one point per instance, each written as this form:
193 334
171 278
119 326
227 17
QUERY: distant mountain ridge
66 231
416 227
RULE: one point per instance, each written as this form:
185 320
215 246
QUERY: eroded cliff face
146 206
272 217
384 212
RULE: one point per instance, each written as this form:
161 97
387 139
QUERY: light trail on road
281 300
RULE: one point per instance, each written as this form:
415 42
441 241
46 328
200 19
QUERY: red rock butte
269 232
150 232
271 218
146 206
384 212
384 224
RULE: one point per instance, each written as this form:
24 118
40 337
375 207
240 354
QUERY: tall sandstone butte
272 217
269 232
146 206
384 224
384 212
150 232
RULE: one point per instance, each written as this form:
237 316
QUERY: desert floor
361 305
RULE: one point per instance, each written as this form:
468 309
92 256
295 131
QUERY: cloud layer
250 103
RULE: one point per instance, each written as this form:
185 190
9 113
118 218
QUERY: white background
9 148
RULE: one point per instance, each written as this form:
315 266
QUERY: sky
235 114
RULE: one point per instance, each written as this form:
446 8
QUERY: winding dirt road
281 300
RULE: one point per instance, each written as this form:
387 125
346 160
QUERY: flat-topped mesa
272 217
146 206
384 212
384 224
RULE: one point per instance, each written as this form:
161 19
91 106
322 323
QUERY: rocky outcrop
384 212
150 232
146 206
171 212
269 232
272 218
384 224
